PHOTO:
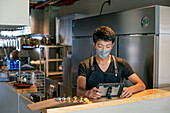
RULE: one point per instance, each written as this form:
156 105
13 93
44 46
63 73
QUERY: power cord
109 2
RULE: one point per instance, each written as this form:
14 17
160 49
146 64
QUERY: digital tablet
110 89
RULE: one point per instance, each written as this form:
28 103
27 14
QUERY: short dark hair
103 33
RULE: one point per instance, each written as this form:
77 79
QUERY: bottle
16 64
33 79
10 64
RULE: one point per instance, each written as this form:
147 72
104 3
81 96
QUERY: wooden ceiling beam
43 4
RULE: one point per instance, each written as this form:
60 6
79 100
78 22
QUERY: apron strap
91 62
115 65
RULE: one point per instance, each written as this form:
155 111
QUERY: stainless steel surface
9 102
50 13
126 22
18 103
11 27
43 20
164 23
67 78
156 62
37 21
138 51
4 77
82 49
164 60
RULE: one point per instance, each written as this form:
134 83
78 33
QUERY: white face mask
103 53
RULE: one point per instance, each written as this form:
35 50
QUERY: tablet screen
115 89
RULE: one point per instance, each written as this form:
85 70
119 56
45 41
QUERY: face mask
103 53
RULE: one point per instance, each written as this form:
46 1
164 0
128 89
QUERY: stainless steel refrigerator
142 38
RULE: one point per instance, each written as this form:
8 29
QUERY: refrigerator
142 39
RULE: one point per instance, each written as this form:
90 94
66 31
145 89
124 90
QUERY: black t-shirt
124 69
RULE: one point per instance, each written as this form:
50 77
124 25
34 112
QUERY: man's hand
94 93
126 93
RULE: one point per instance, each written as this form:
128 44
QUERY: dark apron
100 77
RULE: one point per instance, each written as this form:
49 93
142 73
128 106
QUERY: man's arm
81 84
138 86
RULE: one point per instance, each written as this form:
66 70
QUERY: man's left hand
126 93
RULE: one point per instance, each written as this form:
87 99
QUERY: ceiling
36 4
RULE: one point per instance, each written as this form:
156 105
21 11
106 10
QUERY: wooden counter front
103 102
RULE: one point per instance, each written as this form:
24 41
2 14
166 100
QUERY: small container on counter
10 64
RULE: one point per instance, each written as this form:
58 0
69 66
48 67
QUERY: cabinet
52 57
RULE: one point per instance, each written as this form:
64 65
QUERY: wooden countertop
20 90
103 102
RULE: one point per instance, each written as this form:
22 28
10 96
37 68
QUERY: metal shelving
38 79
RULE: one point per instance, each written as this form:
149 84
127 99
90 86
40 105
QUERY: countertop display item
47 40
22 85
10 64
59 102
27 67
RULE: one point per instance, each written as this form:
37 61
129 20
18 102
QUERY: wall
92 7
14 12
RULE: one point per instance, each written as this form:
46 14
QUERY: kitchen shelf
55 73
57 58
51 60
29 47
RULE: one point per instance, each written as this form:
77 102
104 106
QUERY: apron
100 77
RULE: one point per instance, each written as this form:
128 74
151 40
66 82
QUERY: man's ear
94 45
113 44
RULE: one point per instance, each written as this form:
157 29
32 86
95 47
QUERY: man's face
101 44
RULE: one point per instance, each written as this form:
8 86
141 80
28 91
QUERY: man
101 68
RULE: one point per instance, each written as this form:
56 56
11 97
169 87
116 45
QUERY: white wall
92 7
14 12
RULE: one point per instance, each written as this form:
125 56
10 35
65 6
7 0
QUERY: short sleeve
82 69
127 69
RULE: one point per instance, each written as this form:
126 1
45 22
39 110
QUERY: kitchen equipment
142 38
35 43
48 40
22 85
28 41
4 77
43 40
52 93
52 88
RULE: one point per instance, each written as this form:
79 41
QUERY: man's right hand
94 93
